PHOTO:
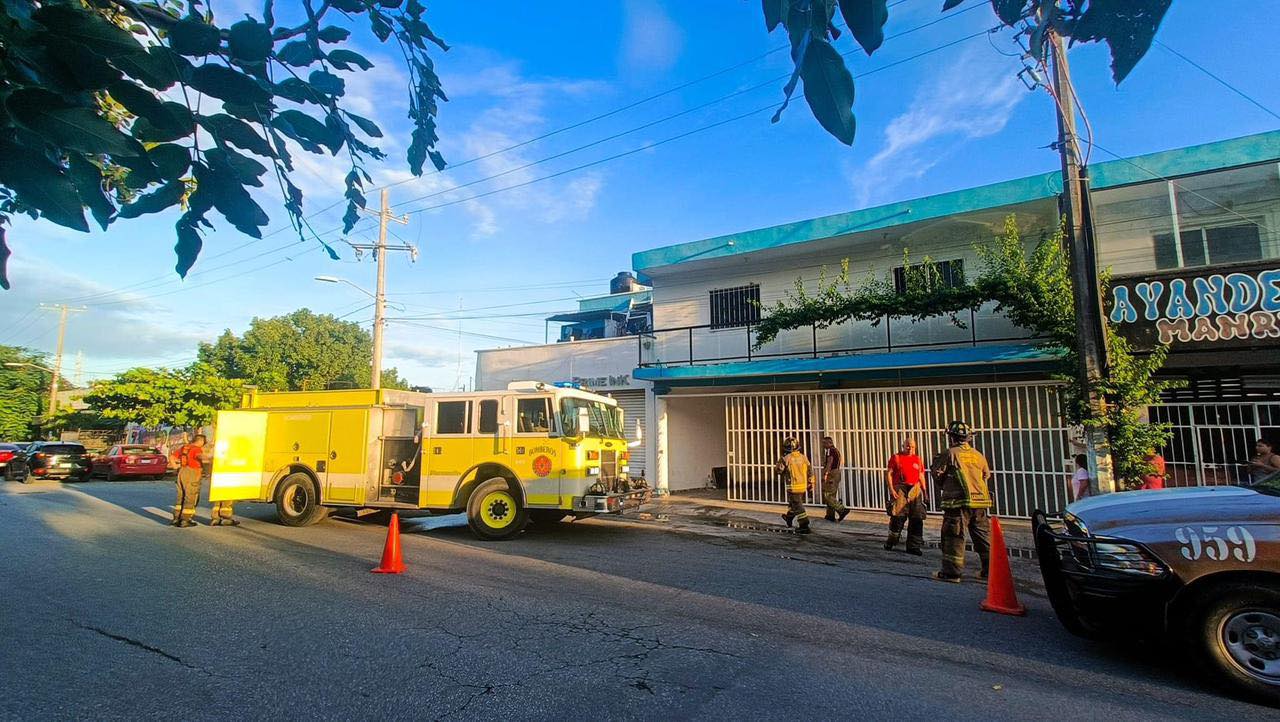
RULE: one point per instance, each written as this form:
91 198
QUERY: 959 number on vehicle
1216 543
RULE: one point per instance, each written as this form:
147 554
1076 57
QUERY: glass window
533 416
452 417
950 275
733 307
605 420
1134 228
489 416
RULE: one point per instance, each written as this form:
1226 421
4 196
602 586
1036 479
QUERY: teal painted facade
1247 150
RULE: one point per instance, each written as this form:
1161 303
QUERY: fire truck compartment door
239 455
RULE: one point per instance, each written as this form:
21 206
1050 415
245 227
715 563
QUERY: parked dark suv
1198 566
57 460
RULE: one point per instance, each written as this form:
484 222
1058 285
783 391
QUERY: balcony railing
704 344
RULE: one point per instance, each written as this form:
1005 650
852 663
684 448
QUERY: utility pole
1082 255
63 309
384 216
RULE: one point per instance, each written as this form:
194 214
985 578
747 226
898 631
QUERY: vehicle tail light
624 456
38 455
6 455
593 455
38 472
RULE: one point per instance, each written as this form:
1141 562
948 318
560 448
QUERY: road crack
143 646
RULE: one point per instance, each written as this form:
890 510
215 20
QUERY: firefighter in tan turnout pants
798 475
963 473
189 459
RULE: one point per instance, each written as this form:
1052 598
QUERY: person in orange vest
905 476
798 475
189 458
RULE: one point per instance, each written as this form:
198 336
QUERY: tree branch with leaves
123 109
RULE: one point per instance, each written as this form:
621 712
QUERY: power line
1221 81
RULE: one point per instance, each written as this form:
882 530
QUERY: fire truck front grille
608 466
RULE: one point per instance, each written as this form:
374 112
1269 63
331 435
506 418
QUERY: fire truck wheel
298 501
493 511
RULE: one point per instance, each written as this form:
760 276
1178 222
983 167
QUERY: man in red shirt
190 462
905 476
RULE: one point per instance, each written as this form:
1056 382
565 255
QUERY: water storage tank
624 282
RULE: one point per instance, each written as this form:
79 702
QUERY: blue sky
951 119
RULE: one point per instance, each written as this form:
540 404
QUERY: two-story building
1189 236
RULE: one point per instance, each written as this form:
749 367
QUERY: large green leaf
1127 26
308 131
173 123
88 28
88 182
231 199
866 19
949 4
68 126
139 101
348 6
188 246
1009 11
158 68
343 59
170 160
41 184
194 37
89 70
298 53
327 83
370 128
237 132
4 259
828 88
297 90
333 34
774 11
165 196
246 169
227 84
249 41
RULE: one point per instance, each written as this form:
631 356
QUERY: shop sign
1208 308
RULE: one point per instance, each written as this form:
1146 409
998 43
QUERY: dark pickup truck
1198 566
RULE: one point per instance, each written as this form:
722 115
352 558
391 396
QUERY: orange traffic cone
1001 596
392 563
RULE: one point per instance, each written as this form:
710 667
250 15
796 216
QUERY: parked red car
130 461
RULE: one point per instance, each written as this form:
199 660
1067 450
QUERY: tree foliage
1127 27
1032 288
301 351
165 397
23 393
121 108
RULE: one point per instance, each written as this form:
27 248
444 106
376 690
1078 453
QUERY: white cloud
651 41
973 98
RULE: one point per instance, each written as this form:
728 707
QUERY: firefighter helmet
789 445
959 430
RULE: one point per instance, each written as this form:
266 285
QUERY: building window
452 417
1209 246
489 416
734 307
950 275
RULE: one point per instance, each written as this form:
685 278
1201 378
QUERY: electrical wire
1220 80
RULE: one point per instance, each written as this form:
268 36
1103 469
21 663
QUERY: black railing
814 350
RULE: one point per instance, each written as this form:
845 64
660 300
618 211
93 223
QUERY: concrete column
661 473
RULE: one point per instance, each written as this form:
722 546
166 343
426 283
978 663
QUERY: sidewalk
711 506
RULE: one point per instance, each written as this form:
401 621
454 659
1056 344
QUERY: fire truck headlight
626 469
593 471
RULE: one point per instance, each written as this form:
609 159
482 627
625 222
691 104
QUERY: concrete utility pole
1083 258
384 216
63 309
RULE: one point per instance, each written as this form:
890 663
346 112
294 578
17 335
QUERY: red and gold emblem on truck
541 465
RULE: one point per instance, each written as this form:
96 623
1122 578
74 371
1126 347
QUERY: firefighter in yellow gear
798 475
963 475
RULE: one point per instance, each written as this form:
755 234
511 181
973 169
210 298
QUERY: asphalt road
106 612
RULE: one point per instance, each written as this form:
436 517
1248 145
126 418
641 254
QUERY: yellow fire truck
536 451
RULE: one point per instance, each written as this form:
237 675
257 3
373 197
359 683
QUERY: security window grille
950 275
1209 246
734 307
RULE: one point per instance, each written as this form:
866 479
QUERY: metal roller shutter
632 404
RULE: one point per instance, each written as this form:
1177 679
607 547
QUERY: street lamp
379 304
53 388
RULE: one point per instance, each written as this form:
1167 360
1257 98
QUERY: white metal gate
1212 442
1019 427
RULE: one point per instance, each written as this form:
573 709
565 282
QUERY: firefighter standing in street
905 477
963 473
795 470
831 463
190 462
